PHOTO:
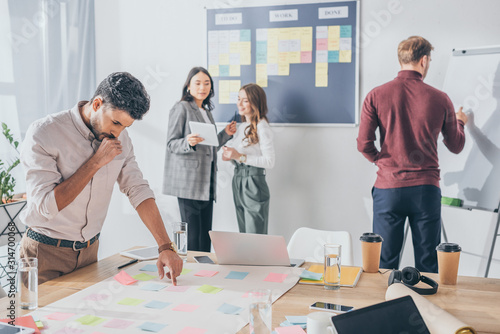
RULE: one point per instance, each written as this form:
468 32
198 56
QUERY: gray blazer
187 169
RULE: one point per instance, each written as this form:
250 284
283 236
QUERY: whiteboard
473 81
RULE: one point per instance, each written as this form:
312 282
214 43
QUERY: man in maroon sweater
410 115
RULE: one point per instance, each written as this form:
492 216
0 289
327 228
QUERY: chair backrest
307 243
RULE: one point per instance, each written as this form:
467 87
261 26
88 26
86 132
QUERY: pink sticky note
118 323
192 330
59 316
178 288
306 57
124 278
322 44
206 273
69 330
185 308
96 297
274 277
290 330
246 294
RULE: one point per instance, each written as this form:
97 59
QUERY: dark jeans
198 215
422 206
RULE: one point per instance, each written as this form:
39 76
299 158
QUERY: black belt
76 245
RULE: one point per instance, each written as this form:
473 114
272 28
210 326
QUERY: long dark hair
258 102
186 96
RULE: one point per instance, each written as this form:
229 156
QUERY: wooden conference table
474 300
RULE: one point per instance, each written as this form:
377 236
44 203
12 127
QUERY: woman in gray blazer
191 169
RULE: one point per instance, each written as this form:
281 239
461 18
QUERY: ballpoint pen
128 263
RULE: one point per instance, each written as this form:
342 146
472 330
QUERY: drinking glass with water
27 283
261 316
332 266
179 230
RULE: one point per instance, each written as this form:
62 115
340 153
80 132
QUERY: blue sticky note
345 31
152 327
149 267
237 275
297 319
223 70
229 309
153 286
287 323
245 35
157 304
333 56
261 46
310 275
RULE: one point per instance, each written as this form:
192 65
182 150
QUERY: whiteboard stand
493 242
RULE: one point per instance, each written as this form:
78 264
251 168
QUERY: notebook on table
251 249
349 275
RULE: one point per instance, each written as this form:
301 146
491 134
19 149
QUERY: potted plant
7 181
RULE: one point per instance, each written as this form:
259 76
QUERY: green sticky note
451 201
209 289
143 277
186 271
90 320
130 301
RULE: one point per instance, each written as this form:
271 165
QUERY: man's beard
95 128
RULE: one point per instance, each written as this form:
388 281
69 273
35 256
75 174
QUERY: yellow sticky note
234 70
223 97
273 35
90 320
130 301
223 91
234 47
306 34
245 59
345 56
234 85
205 288
294 33
283 69
261 75
213 70
224 59
283 58
333 32
333 44
294 57
321 74
185 270
143 277
283 33
244 47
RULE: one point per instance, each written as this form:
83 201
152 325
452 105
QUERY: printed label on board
283 15
333 12
231 18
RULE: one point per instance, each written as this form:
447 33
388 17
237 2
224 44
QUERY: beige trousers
56 261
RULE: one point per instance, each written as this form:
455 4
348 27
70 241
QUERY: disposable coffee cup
371 245
448 259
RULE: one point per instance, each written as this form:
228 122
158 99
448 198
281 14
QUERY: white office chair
307 243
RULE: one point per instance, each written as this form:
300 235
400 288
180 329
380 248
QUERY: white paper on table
438 321
205 317
206 131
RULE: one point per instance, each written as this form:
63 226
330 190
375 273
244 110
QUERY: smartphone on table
335 308
203 259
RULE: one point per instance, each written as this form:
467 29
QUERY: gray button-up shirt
53 150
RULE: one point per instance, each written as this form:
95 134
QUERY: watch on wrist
243 158
168 246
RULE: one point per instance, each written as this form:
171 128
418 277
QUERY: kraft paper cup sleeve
438 321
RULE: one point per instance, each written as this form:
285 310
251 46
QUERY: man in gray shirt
72 160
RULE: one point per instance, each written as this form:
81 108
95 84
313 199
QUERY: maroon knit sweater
410 115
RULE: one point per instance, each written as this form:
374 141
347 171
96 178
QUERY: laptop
251 249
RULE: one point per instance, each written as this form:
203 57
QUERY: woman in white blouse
252 151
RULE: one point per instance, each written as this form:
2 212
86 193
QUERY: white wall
320 180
